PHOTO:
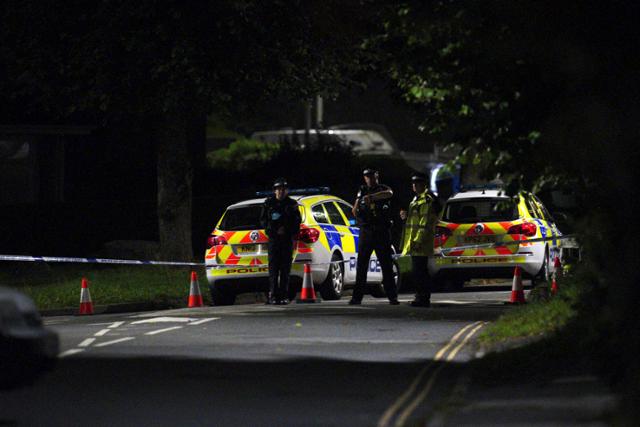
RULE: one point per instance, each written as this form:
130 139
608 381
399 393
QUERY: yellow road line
402 418
403 398
464 341
419 398
453 340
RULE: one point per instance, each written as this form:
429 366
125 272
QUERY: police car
486 215
237 261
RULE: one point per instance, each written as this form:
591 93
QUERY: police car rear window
319 215
242 218
334 214
480 210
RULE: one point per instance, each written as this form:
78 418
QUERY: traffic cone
517 290
195 297
557 272
307 293
86 305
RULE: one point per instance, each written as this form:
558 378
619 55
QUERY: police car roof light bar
298 191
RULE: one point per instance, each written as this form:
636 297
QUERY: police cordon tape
27 258
46 259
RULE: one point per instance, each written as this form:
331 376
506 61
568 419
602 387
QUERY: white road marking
165 319
116 324
104 344
159 331
71 352
87 342
201 321
101 332
452 302
55 321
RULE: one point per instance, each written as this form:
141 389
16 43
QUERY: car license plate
247 249
478 240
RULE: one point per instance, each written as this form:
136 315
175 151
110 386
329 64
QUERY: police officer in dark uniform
281 220
372 209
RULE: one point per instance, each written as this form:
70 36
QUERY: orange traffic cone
557 273
307 294
517 290
86 305
195 297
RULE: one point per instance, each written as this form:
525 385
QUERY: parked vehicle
361 141
27 349
489 216
237 260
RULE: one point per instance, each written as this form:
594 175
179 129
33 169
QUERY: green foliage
539 96
536 318
242 155
104 59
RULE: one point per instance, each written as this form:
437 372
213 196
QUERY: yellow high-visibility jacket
420 227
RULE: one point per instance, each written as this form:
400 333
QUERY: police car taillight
441 235
529 229
215 241
308 235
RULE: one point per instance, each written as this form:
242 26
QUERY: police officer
281 220
372 209
418 236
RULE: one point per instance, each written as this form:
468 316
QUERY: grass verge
538 318
58 286
535 341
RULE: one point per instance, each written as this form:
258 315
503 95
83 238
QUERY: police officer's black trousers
420 277
280 253
378 240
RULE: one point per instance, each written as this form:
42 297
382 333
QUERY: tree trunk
175 187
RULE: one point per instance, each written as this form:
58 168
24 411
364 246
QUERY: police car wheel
545 274
221 297
377 291
331 288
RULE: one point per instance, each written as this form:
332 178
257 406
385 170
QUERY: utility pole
319 112
307 122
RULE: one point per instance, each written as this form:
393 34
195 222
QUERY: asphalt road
326 364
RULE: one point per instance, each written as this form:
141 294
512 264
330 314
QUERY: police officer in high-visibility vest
281 220
372 209
418 236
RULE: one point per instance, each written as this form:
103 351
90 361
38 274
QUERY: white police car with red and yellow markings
485 216
237 260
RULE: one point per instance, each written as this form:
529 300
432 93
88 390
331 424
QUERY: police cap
280 182
369 171
418 177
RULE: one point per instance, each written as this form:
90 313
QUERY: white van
361 141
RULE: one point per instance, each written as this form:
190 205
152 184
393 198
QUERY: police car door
338 230
349 241
552 228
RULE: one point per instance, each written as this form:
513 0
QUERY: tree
172 64
502 80
542 94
